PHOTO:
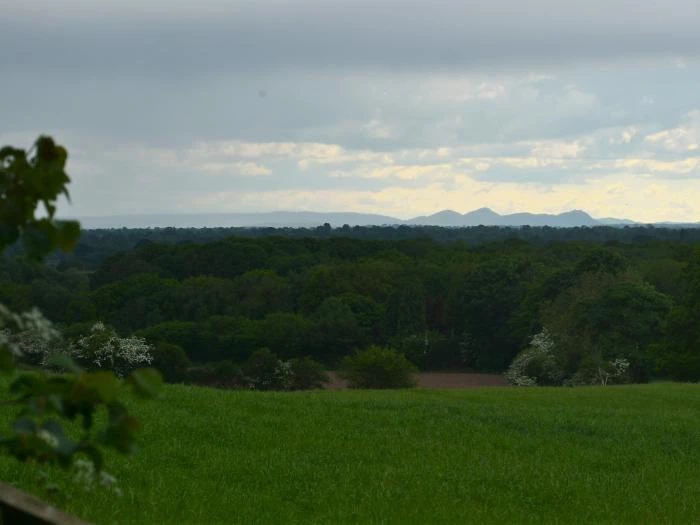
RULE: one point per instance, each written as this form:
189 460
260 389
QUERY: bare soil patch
438 380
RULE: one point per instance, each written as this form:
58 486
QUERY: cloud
376 130
684 138
248 169
152 36
685 167
555 149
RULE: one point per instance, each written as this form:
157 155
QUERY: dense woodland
96 245
457 299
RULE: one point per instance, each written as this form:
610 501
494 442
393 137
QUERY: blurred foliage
46 402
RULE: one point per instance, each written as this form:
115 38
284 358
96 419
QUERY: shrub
31 346
229 374
171 361
377 367
306 374
203 375
102 348
596 371
414 346
536 365
262 371
265 371
223 374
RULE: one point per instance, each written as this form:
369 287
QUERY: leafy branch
46 401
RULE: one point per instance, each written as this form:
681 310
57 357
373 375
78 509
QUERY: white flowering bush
601 372
33 347
265 371
28 335
612 371
537 364
102 348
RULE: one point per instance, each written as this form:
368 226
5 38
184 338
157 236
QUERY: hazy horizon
309 218
404 216
400 109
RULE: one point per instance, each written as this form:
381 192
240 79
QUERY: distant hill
441 218
296 219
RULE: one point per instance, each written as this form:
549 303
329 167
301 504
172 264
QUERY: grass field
604 455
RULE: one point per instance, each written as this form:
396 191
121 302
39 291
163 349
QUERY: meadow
622 454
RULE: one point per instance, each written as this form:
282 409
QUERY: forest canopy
443 303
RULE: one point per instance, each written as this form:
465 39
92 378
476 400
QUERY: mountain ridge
447 218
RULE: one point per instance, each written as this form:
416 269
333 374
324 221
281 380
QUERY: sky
400 108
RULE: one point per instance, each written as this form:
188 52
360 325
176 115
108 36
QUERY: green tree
286 334
265 371
259 292
171 361
483 306
678 355
335 331
405 311
603 317
306 374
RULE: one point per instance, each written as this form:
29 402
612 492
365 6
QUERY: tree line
97 244
443 304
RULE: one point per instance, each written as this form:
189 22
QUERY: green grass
604 455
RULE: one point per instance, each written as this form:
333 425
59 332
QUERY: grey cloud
355 34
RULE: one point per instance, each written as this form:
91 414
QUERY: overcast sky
402 108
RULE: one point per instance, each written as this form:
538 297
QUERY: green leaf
119 434
103 383
63 362
67 234
26 385
7 360
55 401
39 238
146 382
24 425
65 447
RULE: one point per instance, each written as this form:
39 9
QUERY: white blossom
27 334
104 349
48 438
84 472
86 476
541 349
611 370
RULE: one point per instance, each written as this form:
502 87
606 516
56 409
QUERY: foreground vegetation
615 454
